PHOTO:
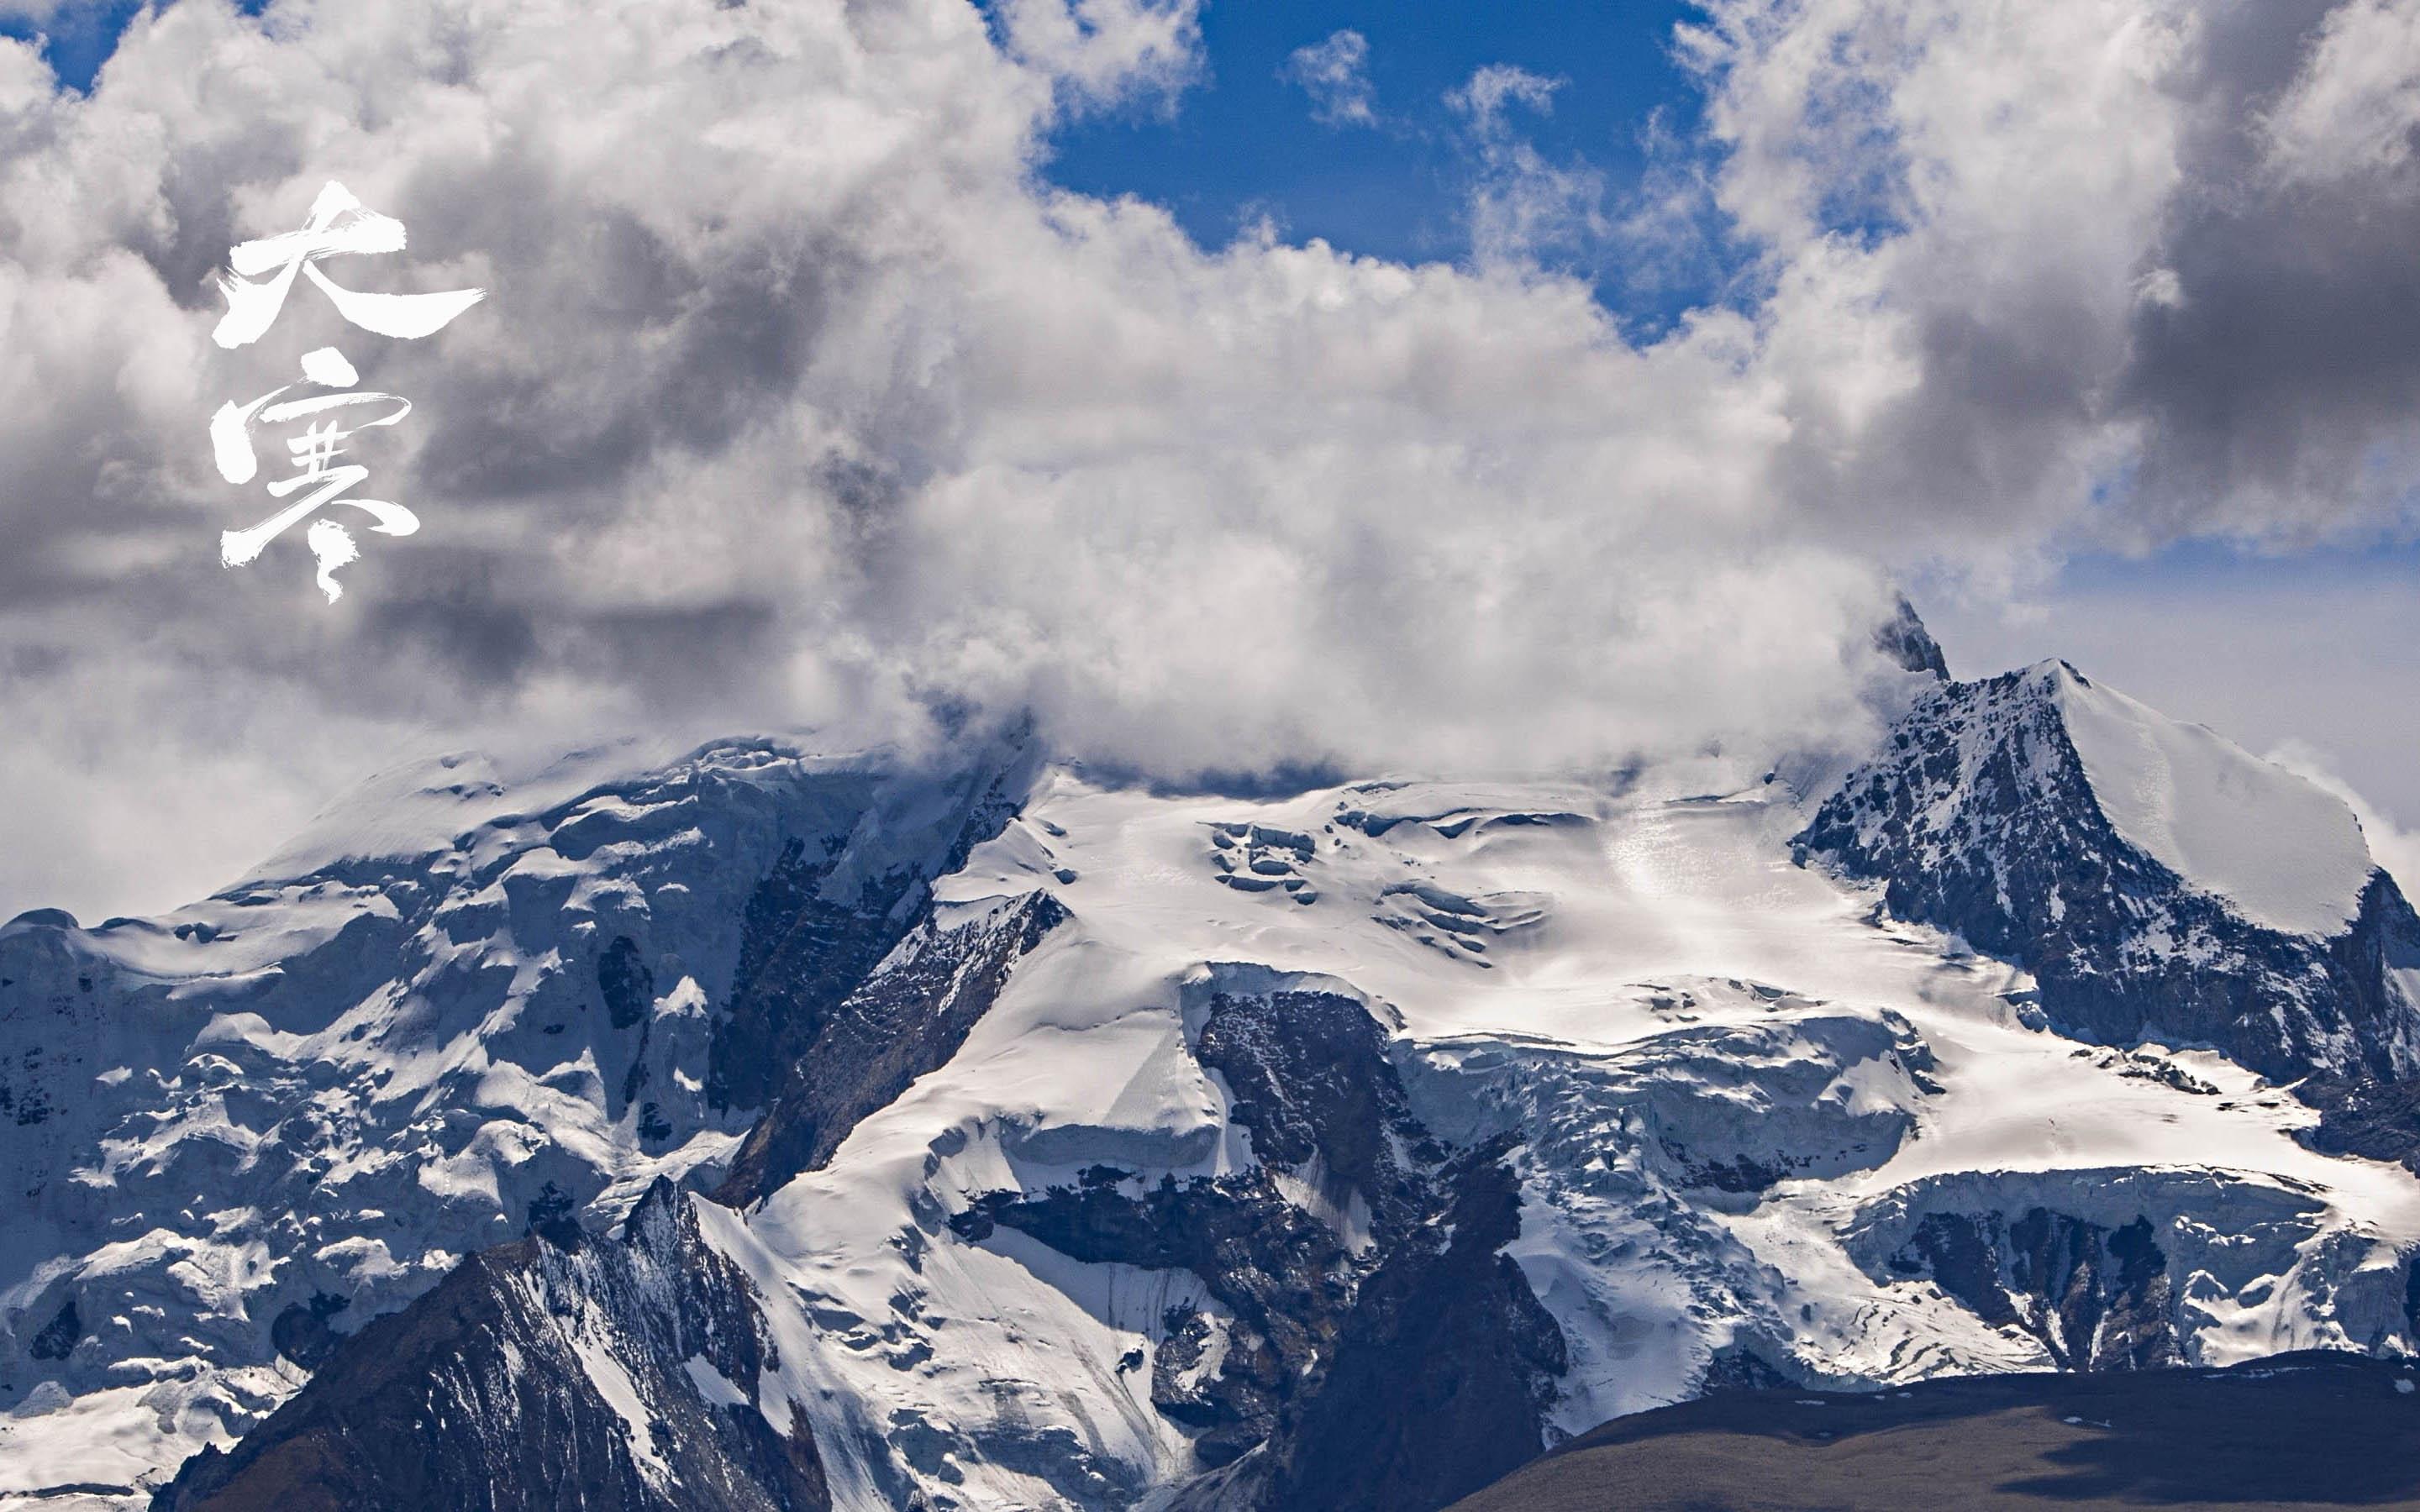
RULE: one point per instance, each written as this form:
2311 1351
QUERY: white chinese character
319 444
338 224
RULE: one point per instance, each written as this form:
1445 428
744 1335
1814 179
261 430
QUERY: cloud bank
2117 267
801 398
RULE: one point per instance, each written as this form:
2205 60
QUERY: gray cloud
2277 374
2092 271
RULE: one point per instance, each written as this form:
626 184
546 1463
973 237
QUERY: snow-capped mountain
2157 881
473 1003
759 1129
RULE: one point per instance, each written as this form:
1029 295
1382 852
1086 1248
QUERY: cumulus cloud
1106 52
799 398
1336 75
2025 260
795 399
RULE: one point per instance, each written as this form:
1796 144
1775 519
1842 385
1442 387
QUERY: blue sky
1244 143
77 39
1236 141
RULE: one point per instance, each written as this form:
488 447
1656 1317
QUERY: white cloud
1336 75
1483 96
1103 52
796 399
1524 210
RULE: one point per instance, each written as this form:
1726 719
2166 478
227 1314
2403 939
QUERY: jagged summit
2156 879
1904 639
852 1131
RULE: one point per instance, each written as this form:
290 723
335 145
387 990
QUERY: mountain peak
1905 641
2152 874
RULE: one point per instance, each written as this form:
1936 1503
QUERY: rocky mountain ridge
999 1136
1982 818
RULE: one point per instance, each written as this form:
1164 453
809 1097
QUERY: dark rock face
1281 1278
1310 1079
801 955
2372 1110
486 1394
2364 1116
303 1334
904 1020
1978 818
815 927
2097 1297
1439 1382
629 987
23 1098
1397 1373
1904 639
60 1334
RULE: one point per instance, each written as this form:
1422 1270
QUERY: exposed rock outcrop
1980 818
614 1375
1363 1303
904 1018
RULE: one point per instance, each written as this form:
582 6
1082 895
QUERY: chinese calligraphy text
262 273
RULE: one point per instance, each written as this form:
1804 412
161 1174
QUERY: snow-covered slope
465 1006
1166 1148
2285 853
